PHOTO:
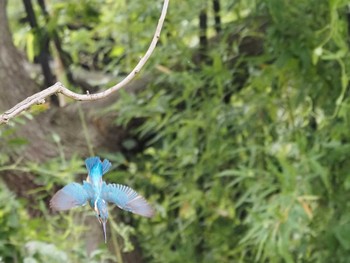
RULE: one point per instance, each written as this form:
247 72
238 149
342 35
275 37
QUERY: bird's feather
91 162
106 165
95 172
70 196
126 198
88 188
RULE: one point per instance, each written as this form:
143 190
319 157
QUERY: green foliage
251 171
245 154
10 221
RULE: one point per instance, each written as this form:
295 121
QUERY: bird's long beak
104 230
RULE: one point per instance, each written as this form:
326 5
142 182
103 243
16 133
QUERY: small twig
39 98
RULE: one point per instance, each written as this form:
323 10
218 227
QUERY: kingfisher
98 193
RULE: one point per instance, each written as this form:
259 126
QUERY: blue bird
97 193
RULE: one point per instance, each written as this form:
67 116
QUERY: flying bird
98 193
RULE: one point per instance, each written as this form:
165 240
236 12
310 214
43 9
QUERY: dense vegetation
241 140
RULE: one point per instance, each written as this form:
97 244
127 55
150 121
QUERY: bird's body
95 191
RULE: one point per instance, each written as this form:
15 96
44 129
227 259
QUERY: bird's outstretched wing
126 198
70 196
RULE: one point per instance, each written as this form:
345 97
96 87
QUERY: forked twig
39 98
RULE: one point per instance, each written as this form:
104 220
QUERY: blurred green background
239 136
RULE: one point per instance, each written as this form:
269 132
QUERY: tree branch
39 98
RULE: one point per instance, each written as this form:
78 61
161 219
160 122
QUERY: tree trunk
15 83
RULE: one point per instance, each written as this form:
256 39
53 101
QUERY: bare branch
39 98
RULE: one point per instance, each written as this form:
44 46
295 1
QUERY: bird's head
102 215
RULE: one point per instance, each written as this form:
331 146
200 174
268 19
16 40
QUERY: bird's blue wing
88 188
126 198
70 196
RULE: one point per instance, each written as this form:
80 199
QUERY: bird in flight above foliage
98 193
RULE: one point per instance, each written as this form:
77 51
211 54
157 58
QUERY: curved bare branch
39 98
